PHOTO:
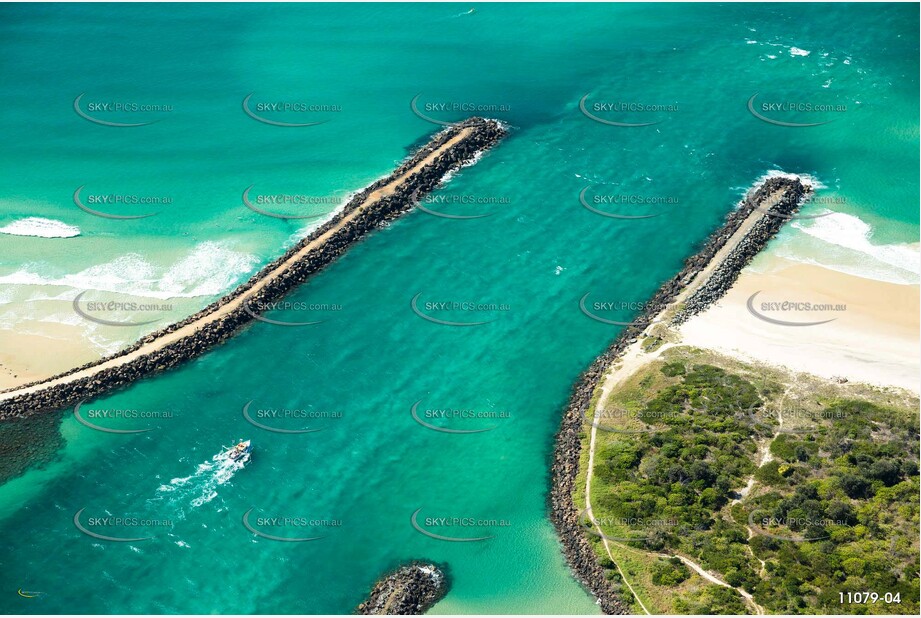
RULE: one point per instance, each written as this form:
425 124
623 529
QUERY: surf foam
41 228
843 242
210 269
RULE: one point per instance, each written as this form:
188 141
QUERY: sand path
190 328
635 357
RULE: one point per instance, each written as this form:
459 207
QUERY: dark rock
410 590
485 133
565 465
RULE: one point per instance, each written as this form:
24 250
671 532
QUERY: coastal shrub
769 474
673 369
669 572
713 600
791 448
848 485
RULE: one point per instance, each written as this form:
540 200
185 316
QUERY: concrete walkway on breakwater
704 279
448 150
756 216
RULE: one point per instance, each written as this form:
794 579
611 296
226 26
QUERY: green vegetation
669 572
652 343
852 488
833 508
715 600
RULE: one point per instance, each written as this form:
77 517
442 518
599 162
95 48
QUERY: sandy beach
26 357
873 338
218 311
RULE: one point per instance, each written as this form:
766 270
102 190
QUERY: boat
239 453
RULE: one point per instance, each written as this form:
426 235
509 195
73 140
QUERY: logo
111 306
454 306
444 521
607 306
612 215
433 199
795 539
256 316
79 203
461 107
249 204
279 107
589 525
86 423
789 306
446 414
777 106
282 522
115 107
272 414
107 521
615 107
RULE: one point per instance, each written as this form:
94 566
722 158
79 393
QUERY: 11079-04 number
869 597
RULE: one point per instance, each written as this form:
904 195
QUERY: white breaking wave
796 51
453 172
842 242
211 268
845 245
40 227
810 181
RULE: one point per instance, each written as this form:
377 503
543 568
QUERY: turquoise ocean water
357 374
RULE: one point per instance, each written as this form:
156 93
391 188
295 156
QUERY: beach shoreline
388 198
706 276
740 301
873 339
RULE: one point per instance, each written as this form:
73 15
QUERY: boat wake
201 487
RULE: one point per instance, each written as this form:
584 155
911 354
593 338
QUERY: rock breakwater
410 590
765 208
369 209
